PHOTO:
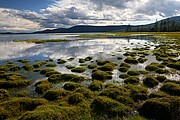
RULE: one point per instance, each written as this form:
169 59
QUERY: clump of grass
89 58
107 67
55 94
15 68
48 74
119 58
102 62
123 76
82 60
95 85
75 98
87 93
171 88
125 65
142 60
23 93
45 71
23 61
69 66
131 60
100 75
39 64
55 78
79 69
151 67
4 94
162 71
132 80
51 65
42 86
133 73
61 61
143 72
28 67
123 69
161 108
92 66
71 86
161 78
150 81
113 109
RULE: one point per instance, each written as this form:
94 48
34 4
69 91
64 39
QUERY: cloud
67 13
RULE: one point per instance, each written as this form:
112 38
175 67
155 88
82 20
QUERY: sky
34 15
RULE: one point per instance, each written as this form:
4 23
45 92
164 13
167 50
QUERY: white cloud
67 13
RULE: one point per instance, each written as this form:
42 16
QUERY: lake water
105 49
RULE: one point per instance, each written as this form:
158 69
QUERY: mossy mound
131 60
48 74
23 93
28 67
61 61
125 65
171 88
161 78
15 68
95 85
4 94
71 86
55 112
51 65
158 94
23 61
142 60
87 93
46 70
100 75
39 64
89 58
132 80
113 109
119 58
55 94
123 69
162 71
107 67
123 76
78 69
69 67
16 106
14 84
102 62
150 81
175 65
151 67
82 60
75 98
165 108
133 73
55 78
42 86
91 66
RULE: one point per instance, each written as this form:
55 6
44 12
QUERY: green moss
119 58
100 75
158 94
166 108
69 67
125 65
107 67
143 72
123 76
15 68
132 80
162 71
150 81
123 69
23 93
82 60
142 60
55 112
55 78
48 74
75 98
55 94
161 78
71 86
102 62
39 64
91 66
61 61
131 60
14 84
79 69
85 91
46 70
42 86
23 61
51 65
129 53
28 67
110 107
171 88
133 73
4 94
88 58
17 106
95 85
151 67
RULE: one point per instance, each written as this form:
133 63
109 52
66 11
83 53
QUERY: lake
98 49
